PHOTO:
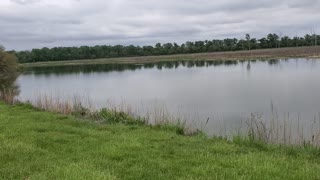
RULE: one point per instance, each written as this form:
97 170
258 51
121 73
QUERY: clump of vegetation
8 74
8 63
114 116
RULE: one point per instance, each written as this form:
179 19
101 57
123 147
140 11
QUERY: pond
225 92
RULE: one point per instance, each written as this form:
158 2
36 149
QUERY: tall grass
8 95
81 107
288 130
285 129
61 105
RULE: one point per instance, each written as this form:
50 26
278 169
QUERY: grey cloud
27 24
24 2
303 4
14 19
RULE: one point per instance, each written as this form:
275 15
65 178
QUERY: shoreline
312 52
272 131
64 147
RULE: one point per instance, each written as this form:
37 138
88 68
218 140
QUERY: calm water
225 92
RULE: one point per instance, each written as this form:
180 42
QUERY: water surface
226 92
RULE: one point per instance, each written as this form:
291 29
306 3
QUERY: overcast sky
27 24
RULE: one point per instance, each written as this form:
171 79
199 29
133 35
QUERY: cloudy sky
27 24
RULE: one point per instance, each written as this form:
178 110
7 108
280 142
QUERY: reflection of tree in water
273 61
90 68
248 66
103 68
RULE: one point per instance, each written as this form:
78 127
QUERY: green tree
8 76
248 38
8 63
308 40
254 43
263 43
273 40
285 41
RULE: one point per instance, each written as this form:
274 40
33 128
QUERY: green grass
41 145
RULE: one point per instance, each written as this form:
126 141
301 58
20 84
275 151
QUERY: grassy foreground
42 145
295 52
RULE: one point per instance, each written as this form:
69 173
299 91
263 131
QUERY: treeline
86 52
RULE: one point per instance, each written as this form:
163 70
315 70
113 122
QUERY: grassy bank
307 52
42 145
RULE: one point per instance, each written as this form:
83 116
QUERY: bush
8 75
8 63
113 116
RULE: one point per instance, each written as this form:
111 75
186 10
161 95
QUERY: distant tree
308 40
273 40
158 49
254 43
279 39
241 44
248 38
296 41
217 45
177 49
285 41
314 36
189 47
230 44
263 43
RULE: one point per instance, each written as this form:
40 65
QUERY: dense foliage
8 76
85 52
8 63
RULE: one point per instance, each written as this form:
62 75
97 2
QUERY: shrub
8 76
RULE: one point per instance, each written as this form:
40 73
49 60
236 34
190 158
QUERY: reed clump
287 131
8 95
76 106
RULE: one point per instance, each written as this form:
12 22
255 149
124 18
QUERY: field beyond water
296 52
40 145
